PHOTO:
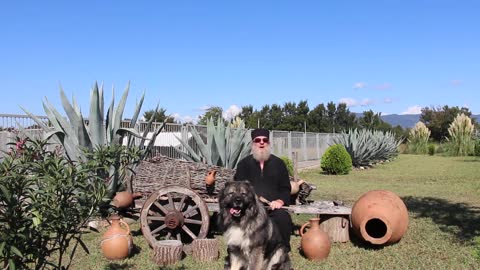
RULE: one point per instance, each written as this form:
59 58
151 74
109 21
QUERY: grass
442 195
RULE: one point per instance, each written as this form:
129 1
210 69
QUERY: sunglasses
260 140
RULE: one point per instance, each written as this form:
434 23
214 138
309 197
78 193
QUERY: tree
439 119
213 112
344 119
159 116
317 120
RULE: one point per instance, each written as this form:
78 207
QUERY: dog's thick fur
253 241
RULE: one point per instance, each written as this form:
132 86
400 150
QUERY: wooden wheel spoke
193 221
170 201
159 229
157 204
179 237
182 201
190 210
156 218
190 233
168 235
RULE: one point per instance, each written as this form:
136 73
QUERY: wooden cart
176 205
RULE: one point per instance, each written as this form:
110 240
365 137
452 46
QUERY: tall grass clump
418 139
460 141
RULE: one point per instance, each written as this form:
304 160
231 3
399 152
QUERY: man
269 177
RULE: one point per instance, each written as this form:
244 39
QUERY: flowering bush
44 201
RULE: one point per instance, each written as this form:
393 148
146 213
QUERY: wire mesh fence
307 146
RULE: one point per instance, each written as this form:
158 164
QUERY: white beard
261 154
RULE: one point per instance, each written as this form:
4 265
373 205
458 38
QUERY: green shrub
45 200
476 150
336 160
431 149
289 163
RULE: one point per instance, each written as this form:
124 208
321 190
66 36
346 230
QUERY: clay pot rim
373 240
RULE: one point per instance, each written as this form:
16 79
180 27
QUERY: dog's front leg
235 259
256 259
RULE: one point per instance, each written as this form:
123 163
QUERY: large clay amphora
379 217
315 242
125 199
116 241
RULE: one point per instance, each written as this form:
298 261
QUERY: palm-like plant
79 135
225 146
367 146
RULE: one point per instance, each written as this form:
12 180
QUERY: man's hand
277 204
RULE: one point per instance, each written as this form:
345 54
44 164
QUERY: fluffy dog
253 241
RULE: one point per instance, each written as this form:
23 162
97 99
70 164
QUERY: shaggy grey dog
253 241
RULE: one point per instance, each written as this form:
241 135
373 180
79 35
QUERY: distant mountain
408 120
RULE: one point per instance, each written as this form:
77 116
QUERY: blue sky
386 56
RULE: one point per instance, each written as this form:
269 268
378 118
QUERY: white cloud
387 100
383 86
359 85
456 82
367 101
231 112
350 102
413 110
184 118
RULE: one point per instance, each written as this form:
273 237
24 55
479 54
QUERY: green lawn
442 195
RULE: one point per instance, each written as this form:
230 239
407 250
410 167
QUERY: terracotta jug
379 217
124 199
116 241
210 178
295 186
315 242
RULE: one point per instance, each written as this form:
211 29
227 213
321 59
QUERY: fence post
305 156
317 144
289 142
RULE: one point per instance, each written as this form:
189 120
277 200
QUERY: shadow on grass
459 219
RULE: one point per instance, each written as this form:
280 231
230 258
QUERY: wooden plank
318 208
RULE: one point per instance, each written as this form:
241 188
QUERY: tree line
329 118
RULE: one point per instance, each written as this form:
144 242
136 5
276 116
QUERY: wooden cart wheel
174 213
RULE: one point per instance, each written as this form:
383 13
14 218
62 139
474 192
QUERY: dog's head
237 199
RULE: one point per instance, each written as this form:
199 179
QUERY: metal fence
307 145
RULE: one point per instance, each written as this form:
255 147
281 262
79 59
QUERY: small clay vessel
210 181
116 241
315 242
379 217
125 199
210 178
295 186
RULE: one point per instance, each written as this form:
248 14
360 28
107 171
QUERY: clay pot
379 217
315 242
124 199
210 178
210 181
295 186
116 241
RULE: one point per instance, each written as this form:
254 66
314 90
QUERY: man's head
260 144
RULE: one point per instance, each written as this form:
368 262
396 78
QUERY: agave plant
79 135
366 146
418 139
461 140
224 146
